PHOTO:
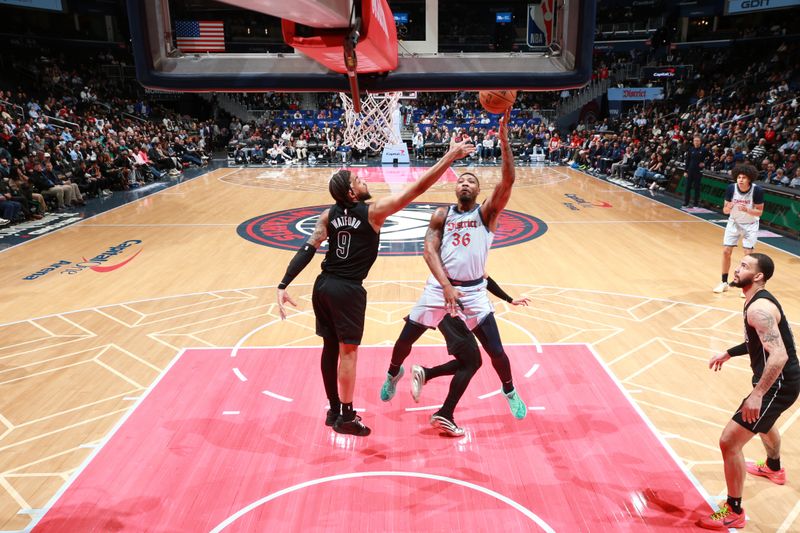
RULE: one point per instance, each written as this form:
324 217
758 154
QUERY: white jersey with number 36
465 244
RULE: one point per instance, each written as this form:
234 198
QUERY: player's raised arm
499 197
382 208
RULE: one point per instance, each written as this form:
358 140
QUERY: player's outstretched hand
461 149
521 301
283 299
717 361
504 120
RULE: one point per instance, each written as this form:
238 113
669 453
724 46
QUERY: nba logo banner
541 21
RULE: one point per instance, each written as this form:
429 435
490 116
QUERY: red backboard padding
376 49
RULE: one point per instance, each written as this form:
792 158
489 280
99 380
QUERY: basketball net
376 125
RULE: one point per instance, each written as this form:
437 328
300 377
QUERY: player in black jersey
352 228
776 386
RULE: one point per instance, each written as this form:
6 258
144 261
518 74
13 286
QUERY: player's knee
410 333
728 445
330 343
467 353
330 349
727 251
347 356
403 346
475 362
495 350
348 351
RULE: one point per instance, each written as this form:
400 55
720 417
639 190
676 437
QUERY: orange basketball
497 101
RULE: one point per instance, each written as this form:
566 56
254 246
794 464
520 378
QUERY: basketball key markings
228 437
403 233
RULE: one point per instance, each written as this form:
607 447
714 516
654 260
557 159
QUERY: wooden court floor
110 302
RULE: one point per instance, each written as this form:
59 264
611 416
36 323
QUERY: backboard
547 45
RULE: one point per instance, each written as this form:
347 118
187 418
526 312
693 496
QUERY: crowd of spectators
431 119
739 111
77 137
740 106
81 134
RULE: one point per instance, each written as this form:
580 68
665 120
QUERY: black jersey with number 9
352 242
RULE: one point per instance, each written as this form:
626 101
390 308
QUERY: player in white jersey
456 248
744 203
464 248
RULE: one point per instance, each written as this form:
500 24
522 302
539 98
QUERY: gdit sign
735 7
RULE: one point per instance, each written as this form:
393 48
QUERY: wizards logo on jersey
402 234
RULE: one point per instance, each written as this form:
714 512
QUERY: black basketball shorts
339 307
778 399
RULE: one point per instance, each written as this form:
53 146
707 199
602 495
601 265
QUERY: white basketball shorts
430 309
748 233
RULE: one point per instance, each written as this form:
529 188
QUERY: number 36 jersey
465 244
352 242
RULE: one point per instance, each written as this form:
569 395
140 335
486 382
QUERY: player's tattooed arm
320 232
763 316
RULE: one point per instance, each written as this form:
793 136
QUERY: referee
695 161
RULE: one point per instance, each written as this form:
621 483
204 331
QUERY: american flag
200 35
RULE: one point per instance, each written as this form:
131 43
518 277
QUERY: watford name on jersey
346 221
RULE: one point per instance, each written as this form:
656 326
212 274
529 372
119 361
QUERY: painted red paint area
226 443
399 175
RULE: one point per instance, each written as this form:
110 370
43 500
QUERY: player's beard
465 197
741 284
364 196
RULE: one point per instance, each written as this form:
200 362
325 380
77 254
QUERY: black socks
348 413
774 464
735 504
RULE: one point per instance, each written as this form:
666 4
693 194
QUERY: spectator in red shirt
769 135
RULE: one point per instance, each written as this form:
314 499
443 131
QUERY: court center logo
402 234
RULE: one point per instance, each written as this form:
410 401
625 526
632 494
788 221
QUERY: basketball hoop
376 126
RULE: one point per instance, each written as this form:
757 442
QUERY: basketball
497 101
